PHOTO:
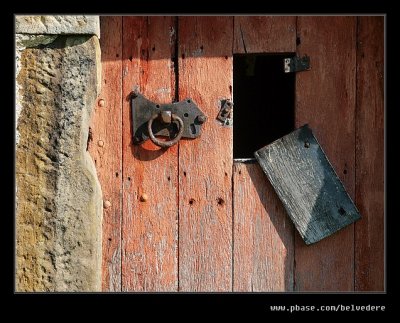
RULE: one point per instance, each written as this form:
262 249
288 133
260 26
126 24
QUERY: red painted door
191 218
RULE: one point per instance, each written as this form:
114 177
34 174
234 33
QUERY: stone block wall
58 196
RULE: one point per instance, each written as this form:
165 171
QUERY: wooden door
190 218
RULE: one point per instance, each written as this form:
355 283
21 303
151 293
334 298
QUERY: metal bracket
226 112
296 64
144 110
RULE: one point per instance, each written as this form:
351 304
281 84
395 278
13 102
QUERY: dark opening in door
264 100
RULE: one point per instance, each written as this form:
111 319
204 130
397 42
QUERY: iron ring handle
165 144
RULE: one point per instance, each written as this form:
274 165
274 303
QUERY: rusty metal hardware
296 64
166 117
226 112
176 120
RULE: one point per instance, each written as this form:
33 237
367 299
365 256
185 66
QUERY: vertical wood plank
106 148
263 34
205 164
325 99
263 234
149 258
369 233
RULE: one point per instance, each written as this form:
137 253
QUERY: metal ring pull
165 144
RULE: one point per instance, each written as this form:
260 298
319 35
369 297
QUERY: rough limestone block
59 200
58 25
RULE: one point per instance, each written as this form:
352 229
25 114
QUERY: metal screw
144 197
102 103
201 119
106 204
100 143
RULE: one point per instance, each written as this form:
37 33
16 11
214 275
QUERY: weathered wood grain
263 234
150 174
369 233
106 148
263 34
325 99
205 164
307 185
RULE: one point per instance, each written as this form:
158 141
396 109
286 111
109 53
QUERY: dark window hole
186 115
191 201
345 171
342 211
129 178
264 99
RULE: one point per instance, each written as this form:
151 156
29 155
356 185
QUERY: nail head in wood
106 204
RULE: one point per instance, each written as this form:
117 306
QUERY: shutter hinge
296 64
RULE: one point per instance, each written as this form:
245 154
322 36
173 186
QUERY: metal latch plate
143 109
225 114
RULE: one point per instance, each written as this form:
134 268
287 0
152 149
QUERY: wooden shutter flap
306 183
